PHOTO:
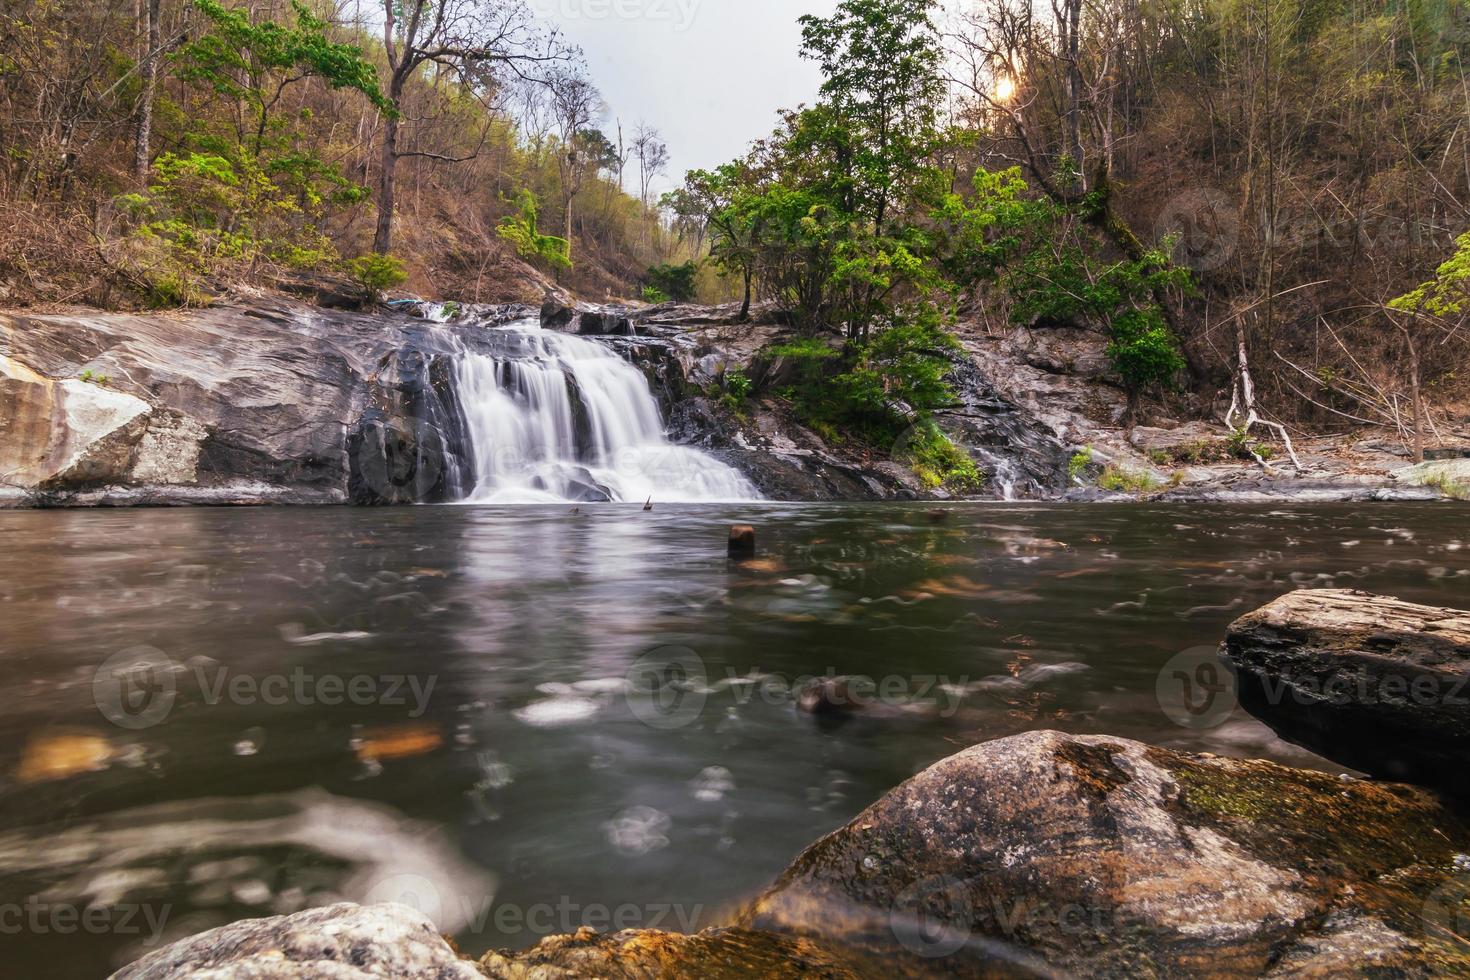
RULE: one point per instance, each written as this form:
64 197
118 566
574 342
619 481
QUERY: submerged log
1371 682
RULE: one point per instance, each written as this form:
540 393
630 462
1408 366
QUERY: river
525 719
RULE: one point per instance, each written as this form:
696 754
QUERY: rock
587 319
410 445
1192 439
1374 683
338 942
1049 854
1449 474
715 954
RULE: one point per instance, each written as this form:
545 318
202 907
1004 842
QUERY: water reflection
458 679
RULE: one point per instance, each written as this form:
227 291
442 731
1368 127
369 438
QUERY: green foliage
520 229
377 273
673 281
874 389
1078 465
96 379
1118 479
1448 293
1043 255
737 384
654 295
937 461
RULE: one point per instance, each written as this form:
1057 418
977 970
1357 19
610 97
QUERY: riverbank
266 400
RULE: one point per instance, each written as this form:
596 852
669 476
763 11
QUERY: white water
531 444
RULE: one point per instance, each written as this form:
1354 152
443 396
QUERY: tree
881 60
575 103
148 70
726 198
469 39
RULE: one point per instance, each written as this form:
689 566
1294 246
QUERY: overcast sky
710 74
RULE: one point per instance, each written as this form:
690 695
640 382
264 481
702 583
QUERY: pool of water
524 720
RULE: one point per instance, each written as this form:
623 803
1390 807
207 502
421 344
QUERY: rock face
1377 684
339 942
271 402
1048 854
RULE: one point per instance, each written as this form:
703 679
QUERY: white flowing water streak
557 418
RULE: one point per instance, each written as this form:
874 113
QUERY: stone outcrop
338 942
270 402
1377 684
1048 854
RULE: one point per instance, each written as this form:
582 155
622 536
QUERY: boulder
715 954
1374 683
586 318
1192 441
1452 475
338 942
1048 854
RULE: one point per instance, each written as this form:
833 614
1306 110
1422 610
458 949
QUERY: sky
709 74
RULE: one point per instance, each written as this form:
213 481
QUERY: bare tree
470 39
575 103
150 11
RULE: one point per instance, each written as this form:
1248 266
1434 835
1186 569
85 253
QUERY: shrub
1118 479
1078 464
376 272
675 282
936 460
520 230
654 295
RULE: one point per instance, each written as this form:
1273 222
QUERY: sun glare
1004 89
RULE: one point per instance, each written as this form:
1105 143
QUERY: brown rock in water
1048 854
742 541
1377 684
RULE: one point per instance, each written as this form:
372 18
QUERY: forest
1261 203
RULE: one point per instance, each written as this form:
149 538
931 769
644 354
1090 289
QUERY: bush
376 273
654 295
675 282
936 460
520 230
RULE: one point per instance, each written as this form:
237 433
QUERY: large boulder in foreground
715 954
1372 682
1047 854
338 942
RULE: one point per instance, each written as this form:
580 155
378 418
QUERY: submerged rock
1377 684
1048 854
338 942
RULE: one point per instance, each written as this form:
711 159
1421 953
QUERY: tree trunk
148 71
383 240
745 307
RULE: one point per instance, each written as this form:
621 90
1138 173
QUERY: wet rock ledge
1039 855
1372 682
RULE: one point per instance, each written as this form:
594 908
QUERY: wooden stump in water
742 541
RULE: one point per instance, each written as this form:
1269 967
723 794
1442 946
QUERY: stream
526 719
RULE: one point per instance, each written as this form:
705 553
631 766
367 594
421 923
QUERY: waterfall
555 418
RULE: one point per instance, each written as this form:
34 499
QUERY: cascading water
556 418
